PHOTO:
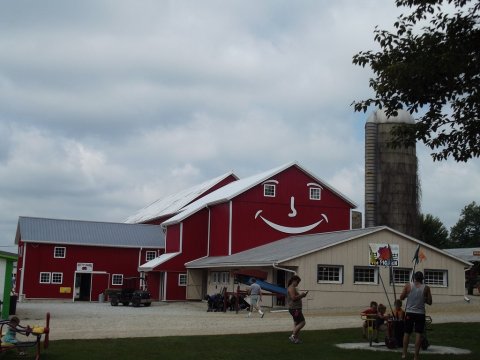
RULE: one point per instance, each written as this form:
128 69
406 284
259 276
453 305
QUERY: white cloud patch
106 106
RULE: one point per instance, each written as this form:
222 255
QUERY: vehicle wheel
148 304
136 302
114 302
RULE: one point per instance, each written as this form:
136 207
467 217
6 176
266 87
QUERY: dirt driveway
101 320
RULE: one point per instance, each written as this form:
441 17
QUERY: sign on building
384 255
84 266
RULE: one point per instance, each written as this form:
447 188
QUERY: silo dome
379 116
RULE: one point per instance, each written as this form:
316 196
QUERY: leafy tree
433 231
430 63
466 232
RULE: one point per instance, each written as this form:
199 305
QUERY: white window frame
149 253
46 274
117 277
405 271
428 273
182 279
366 268
58 275
64 250
330 269
315 193
269 190
220 277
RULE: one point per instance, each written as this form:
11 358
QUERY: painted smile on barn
291 229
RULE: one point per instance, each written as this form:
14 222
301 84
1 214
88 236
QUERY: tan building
338 268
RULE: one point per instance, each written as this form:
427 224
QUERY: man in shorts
255 292
417 294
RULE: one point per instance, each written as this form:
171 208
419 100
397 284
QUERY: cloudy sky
106 106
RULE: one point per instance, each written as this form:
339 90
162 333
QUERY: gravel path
101 320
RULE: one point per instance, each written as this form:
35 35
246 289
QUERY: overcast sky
107 106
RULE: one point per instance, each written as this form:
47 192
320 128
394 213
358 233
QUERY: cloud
107 106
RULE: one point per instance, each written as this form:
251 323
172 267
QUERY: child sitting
11 336
381 317
398 312
370 313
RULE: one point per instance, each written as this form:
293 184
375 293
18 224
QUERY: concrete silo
392 188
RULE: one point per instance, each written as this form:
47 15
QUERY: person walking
294 301
255 292
417 294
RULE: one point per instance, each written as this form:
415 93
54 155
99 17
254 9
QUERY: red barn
242 215
79 260
70 259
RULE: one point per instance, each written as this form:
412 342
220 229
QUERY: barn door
83 286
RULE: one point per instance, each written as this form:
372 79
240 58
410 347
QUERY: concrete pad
432 349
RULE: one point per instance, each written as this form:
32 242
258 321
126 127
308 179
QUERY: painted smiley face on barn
314 190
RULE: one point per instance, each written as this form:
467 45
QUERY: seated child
381 317
398 312
371 312
11 336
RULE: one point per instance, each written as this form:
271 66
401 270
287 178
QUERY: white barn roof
152 264
174 202
238 187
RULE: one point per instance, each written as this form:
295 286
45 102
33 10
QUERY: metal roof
173 203
468 254
152 264
296 246
92 233
283 250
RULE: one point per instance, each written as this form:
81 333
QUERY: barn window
182 279
401 276
314 193
329 274
44 278
117 279
57 278
365 275
436 278
59 252
220 277
150 255
269 190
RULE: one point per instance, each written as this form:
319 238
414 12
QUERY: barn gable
238 187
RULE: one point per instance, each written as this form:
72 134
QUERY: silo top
379 116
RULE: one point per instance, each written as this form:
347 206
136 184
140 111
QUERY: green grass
316 345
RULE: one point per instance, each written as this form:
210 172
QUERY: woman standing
294 300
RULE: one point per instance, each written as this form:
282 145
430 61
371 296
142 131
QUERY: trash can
101 297
13 304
